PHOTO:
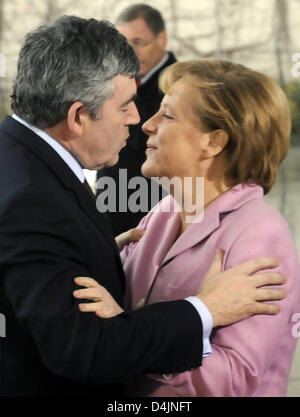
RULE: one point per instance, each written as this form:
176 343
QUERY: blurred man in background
144 28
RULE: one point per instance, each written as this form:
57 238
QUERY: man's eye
124 110
166 116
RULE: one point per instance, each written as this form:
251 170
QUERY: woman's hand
104 304
132 235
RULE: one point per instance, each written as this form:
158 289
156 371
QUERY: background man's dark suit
133 155
50 232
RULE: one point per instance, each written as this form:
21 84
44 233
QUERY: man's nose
134 117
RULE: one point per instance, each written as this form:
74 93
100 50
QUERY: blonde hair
246 104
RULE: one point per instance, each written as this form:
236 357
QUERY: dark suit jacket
133 155
50 232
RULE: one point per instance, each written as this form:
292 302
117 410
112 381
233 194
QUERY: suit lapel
61 170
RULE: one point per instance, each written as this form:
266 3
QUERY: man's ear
162 39
218 140
76 118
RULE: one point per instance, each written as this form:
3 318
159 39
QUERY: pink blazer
252 357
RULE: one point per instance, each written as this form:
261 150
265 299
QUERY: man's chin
143 72
113 161
108 164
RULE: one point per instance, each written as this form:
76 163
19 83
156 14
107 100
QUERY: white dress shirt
73 164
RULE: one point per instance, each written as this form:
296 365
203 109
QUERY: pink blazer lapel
195 233
211 219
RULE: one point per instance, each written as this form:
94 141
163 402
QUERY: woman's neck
197 197
207 182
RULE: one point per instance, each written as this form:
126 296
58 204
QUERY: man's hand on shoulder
236 294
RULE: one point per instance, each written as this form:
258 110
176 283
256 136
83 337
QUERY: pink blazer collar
197 232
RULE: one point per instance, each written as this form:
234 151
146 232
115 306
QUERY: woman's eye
125 110
166 116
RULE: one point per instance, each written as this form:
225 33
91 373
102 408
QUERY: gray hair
152 17
73 59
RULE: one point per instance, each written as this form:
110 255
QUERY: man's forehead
136 28
124 89
126 83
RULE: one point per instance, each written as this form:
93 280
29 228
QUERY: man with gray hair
145 30
73 101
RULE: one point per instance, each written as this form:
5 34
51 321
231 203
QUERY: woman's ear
218 140
76 118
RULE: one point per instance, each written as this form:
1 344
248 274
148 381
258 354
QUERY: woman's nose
149 127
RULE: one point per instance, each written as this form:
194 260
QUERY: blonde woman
230 125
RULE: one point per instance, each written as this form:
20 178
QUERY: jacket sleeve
42 249
244 352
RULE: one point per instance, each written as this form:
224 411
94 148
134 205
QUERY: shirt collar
62 152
